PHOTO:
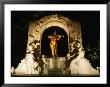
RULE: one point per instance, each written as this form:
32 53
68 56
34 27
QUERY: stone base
79 66
55 72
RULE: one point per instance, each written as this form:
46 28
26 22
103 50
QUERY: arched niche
62 43
37 28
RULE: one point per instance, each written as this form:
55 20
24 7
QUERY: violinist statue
53 43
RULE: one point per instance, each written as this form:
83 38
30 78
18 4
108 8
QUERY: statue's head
54 33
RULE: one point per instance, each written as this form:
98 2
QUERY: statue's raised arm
59 36
49 36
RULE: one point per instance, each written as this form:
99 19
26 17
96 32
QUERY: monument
53 43
73 64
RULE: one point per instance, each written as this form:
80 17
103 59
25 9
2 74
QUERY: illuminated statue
53 43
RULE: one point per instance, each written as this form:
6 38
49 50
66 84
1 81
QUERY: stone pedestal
77 65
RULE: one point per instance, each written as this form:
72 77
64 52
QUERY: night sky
89 20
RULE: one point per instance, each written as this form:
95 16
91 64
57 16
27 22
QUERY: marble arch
78 66
36 29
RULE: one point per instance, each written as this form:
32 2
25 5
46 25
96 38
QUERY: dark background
89 20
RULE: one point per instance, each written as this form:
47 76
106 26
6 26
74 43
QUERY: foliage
93 54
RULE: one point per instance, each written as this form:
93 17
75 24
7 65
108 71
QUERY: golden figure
53 43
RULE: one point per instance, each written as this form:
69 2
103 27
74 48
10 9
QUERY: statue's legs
53 54
56 50
52 49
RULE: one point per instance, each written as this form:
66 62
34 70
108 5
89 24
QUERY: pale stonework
79 65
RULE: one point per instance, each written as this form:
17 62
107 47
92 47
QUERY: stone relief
35 63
